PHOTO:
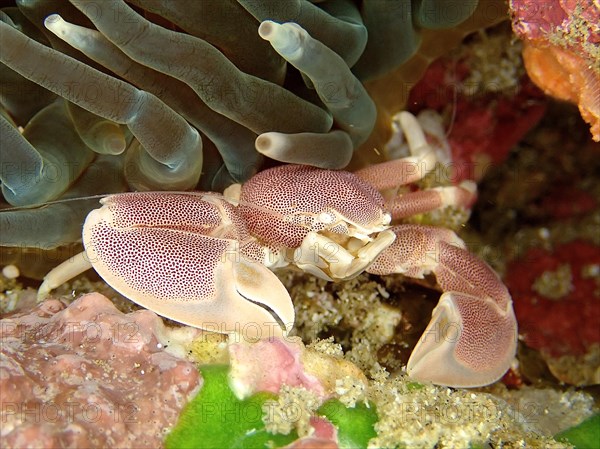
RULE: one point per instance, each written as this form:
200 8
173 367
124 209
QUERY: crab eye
386 219
327 218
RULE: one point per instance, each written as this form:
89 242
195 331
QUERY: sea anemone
101 97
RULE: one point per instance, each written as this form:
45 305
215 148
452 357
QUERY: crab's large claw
472 336
155 249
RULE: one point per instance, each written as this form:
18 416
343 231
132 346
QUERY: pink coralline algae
267 365
562 49
324 436
556 298
88 375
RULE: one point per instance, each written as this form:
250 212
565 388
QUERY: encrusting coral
199 114
561 51
556 284
87 375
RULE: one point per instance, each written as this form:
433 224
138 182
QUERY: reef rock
87 375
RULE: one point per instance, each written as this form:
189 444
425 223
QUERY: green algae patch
216 418
414 386
355 425
583 436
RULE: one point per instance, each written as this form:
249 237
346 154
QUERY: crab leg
391 174
471 338
67 270
423 201
399 172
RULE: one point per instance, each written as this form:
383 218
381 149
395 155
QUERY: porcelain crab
205 259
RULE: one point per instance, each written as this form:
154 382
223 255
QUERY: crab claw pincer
153 249
472 336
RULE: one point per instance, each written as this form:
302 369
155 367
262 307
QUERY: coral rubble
66 363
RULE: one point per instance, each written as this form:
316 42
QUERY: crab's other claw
472 336
171 254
